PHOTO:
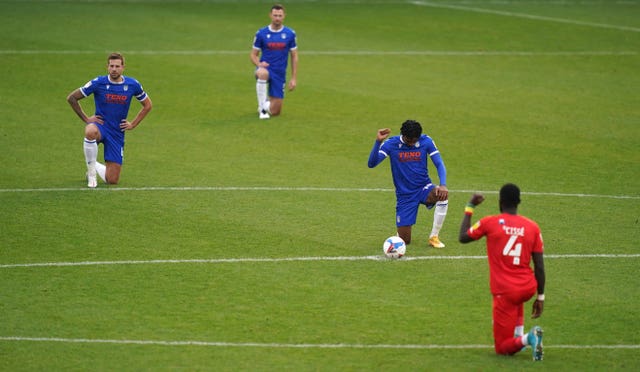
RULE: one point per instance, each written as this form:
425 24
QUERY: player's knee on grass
276 106
112 174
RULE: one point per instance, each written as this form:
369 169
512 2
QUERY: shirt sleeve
538 245
442 170
140 94
256 41
376 156
88 88
476 231
294 41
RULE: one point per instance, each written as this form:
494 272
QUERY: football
394 247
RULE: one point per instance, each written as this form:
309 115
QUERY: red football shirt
511 239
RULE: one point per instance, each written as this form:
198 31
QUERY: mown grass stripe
292 345
291 259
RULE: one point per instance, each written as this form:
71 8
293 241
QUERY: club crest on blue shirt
126 88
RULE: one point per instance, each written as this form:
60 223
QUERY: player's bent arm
255 57
293 82
147 105
375 157
73 99
538 270
294 65
464 237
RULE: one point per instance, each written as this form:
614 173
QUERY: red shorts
508 312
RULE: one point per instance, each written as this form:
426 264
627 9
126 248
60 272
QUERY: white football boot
264 110
92 181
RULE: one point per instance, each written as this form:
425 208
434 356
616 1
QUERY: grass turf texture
549 121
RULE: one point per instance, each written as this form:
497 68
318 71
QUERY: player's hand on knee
442 193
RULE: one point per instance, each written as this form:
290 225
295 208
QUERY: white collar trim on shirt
116 82
417 144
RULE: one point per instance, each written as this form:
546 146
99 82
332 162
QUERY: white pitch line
200 188
275 188
290 259
524 15
290 345
341 2
242 344
435 53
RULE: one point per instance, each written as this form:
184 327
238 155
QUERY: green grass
549 104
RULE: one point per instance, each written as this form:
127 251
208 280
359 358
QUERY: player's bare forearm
538 271
294 64
463 237
294 70
73 99
147 105
255 57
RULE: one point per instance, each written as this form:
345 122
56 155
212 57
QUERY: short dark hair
510 195
116 56
277 7
411 129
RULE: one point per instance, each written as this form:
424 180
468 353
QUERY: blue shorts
407 206
113 144
277 82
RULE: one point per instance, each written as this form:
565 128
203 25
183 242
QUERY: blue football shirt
112 100
409 163
275 47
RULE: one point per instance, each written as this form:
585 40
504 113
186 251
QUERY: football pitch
233 243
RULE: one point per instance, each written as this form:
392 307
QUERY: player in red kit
513 241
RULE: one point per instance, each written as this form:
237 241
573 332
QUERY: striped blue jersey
409 163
